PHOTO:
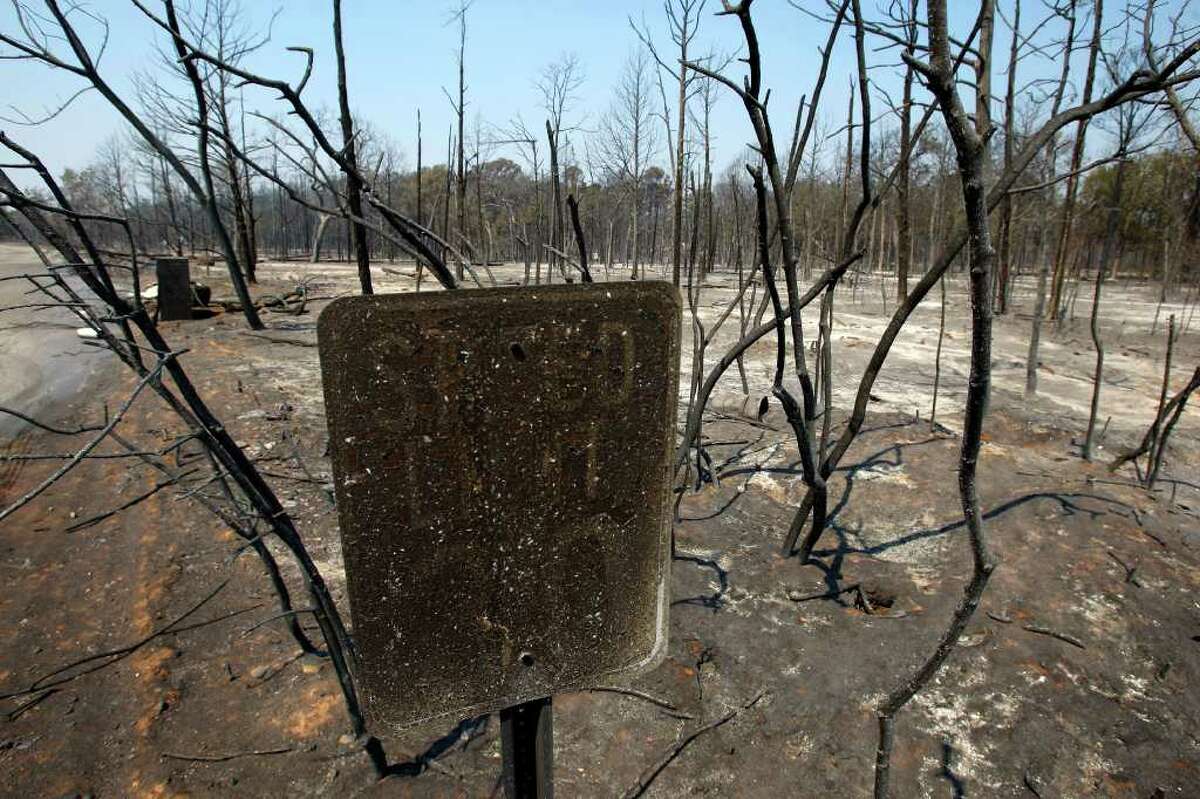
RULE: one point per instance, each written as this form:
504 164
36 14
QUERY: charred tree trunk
677 234
318 237
1044 269
238 201
1039 314
420 210
460 109
556 227
1106 256
208 193
1006 207
1067 214
969 144
904 237
354 186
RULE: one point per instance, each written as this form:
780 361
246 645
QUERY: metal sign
174 289
501 461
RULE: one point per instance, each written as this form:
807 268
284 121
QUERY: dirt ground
1075 679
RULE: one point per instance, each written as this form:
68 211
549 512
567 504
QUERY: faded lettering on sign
501 464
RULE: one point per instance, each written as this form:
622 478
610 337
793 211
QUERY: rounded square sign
501 462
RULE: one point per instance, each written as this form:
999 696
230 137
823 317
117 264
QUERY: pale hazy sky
402 54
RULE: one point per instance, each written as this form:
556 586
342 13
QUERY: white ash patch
1135 689
332 567
952 714
1102 613
783 490
809 622
990 448
923 554
797 746
1094 768
885 473
745 604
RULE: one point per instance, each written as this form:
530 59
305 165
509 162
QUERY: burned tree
460 109
683 21
354 184
904 237
1067 215
558 85
81 63
627 142
938 74
139 340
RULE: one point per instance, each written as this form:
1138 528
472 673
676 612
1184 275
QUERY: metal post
527 744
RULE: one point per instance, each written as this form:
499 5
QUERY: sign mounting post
527 748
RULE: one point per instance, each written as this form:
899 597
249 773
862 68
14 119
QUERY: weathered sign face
501 461
174 289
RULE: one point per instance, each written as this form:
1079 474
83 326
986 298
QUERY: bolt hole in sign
501 461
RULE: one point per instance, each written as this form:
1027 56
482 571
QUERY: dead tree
519 134
1137 86
683 17
1039 309
410 235
580 242
904 237
1004 262
937 358
683 22
558 84
250 217
1151 441
938 74
1067 214
419 215
1180 111
354 184
460 107
221 24
556 217
800 414
170 381
1110 243
81 63
222 17
626 141
830 276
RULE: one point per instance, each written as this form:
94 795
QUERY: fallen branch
111 656
280 340
223 758
1130 571
573 206
650 774
569 260
22 708
389 270
970 145
94 520
77 458
62 431
1073 641
654 700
